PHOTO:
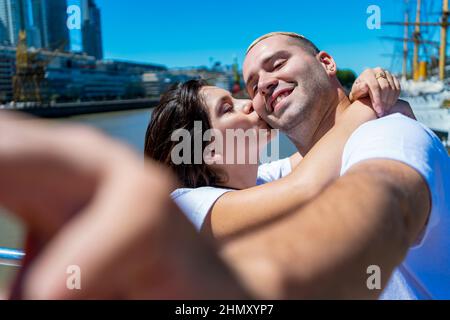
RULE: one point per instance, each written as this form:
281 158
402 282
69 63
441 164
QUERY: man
395 172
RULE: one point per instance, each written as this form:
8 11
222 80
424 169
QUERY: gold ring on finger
380 74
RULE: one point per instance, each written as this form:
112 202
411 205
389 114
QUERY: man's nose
246 106
267 86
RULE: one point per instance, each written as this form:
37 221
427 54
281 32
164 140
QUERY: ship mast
416 37
405 48
417 40
443 47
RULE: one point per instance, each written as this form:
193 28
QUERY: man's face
285 82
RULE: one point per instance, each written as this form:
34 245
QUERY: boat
427 99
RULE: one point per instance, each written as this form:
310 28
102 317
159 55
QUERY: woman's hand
381 86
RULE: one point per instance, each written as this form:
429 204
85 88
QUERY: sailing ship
424 77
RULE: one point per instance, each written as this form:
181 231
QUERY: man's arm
370 216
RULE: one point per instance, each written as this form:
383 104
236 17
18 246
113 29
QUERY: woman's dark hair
179 108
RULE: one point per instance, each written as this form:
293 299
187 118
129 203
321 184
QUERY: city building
3 34
157 82
11 21
222 77
91 29
7 70
44 22
70 77
46 71
51 20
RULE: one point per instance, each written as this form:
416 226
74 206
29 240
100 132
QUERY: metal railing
11 257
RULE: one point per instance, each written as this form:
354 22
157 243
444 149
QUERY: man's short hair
306 44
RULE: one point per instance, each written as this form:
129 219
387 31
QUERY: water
128 127
11 235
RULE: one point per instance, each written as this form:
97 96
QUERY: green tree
347 77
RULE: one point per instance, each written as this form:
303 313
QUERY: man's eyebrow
252 76
265 61
281 53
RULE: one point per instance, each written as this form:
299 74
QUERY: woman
223 200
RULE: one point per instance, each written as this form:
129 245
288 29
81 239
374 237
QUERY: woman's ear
211 157
213 152
328 63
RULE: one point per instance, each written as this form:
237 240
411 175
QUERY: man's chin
275 122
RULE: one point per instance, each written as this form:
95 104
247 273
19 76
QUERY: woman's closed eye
227 107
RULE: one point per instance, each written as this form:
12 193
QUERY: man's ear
328 63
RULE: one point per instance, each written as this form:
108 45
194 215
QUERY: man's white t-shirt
425 273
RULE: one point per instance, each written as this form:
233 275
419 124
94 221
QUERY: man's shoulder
396 125
394 131
394 137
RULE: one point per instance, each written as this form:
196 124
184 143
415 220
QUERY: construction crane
30 71
29 75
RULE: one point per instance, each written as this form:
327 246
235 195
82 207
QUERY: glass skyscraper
11 21
54 18
43 20
45 23
91 29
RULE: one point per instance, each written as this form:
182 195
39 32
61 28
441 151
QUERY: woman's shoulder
197 191
197 202
271 171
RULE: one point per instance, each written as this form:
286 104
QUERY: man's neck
333 111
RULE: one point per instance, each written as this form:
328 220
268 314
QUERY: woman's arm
295 160
240 211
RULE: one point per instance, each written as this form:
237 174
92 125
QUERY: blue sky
180 33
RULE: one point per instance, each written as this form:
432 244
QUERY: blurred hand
91 202
383 91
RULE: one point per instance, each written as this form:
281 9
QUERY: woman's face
228 114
